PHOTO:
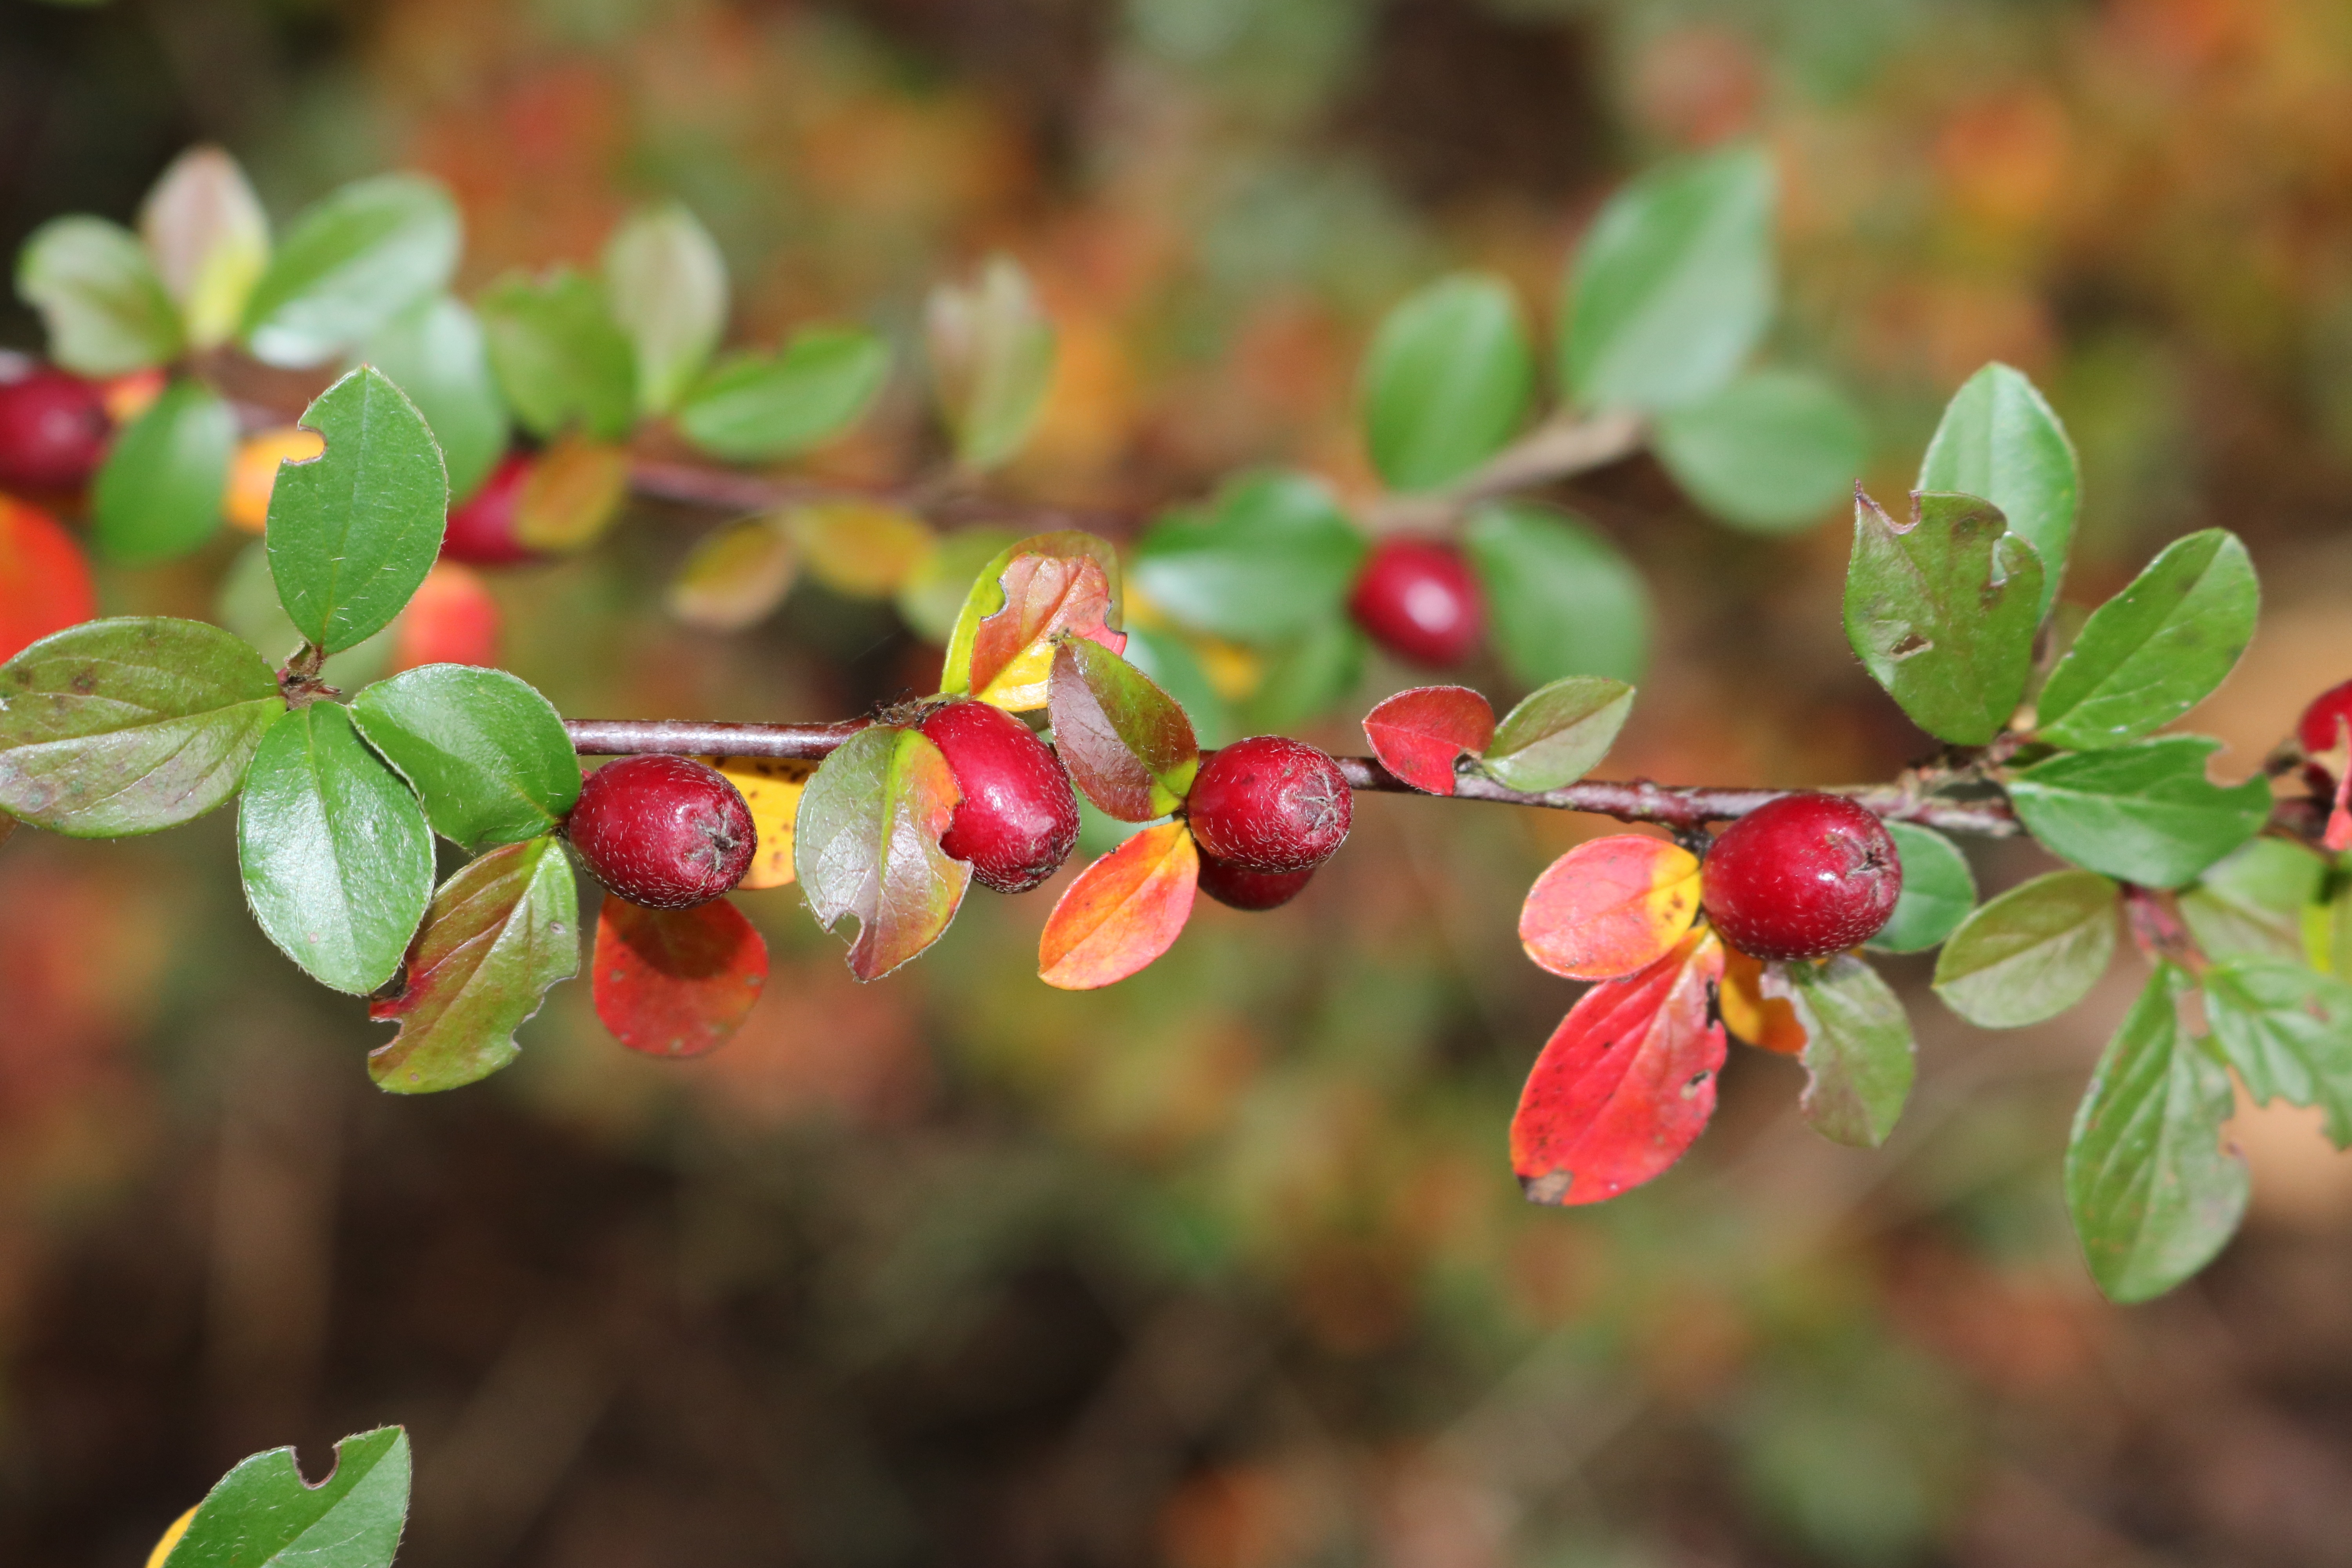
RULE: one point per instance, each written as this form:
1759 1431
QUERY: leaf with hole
486 752
866 844
262 1514
1558 733
1123 911
1857 1051
1127 744
1002 650
1610 906
1420 734
1999 440
933 595
2146 812
2158 649
2030 954
675 982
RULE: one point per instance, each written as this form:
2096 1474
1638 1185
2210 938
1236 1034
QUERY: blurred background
1223 1267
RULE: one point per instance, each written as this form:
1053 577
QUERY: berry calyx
668 833
1803 876
1418 599
481 532
1270 804
53 430
1018 819
1238 888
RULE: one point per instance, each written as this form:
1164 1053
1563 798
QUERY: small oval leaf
1127 744
1420 734
1123 911
1610 906
675 982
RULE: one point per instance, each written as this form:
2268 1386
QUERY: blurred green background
1223 1267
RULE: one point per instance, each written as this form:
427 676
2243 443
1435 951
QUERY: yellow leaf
860 549
734 576
170 1539
573 493
254 473
771 787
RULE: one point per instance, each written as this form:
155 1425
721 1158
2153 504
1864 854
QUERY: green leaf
1858 1052
991 353
262 1514
1447 381
1773 452
127 726
433 352
498 934
105 310
1127 744
667 284
209 238
2252 902
1938 891
337 858
752 408
1558 733
2030 954
487 754
932 596
356 259
2145 813
1999 440
353 531
1561 599
247 605
2287 1030
2153 1196
1942 611
158 494
1306 678
559 357
1674 284
1171 663
1273 556
866 844
2158 649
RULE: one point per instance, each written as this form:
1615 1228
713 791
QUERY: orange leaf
1627 1083
254 473
675 982
1002 650
1123 911
1418 734
573 493
1768 1023
45 583
1608 907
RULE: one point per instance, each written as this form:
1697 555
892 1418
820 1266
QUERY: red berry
1018 819
2318 730
665 832
1418 600
1242 889
1270 804
1801 877
53 430
482 532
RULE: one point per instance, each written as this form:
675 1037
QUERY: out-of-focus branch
1558 448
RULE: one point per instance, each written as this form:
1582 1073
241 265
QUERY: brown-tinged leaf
1419 734
771 787
1127 744
573 494
865 842
734 577
1123 911
1610 906
675 982
860 549
1002 650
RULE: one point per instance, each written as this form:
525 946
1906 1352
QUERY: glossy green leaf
158 495
2158 649
751 407
337 858
354 531
1447 381
2030 954
1171 663
1938 891
434 352
1999 440
2287 1030
2145 813
1127 744
352 261
262 1514
1272 556
933 595
1673 286
499 932
992 354
487 754
1559 732
1561 598
247 605
98 294
2153 1193
1774 451
667 284
2254 902
1858 1052
1942 612
559 357
1306 678
209 238
126 726
866 845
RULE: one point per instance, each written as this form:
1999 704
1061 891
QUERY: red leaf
1003 647
1417 734
44 580
1123 911
1626 1083
675 982
1610 906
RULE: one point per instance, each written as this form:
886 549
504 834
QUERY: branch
1558 448
734 490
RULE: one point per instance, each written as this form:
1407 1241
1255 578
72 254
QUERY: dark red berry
668 833
2319 732
482 532
1018 819
53 430
1801 877
1418 599
1270 804
1241 889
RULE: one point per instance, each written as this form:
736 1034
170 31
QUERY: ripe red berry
482 532
1239 887
53 430
666 832
1418 599
1018 818
2318 730
1270 804
1801 877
